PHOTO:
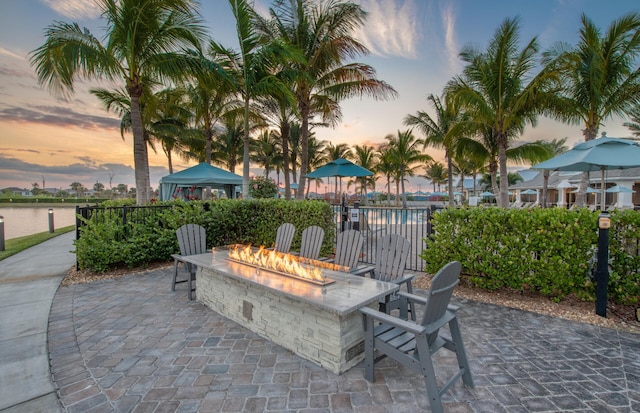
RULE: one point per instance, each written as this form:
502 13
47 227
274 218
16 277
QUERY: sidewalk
28 283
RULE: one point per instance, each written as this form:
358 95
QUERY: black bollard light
602 273
1 233
51 229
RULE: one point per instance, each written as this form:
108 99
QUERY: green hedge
106 242
543 250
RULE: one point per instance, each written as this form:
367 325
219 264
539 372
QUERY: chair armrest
177 257
407 278
408 326
363 270
414 298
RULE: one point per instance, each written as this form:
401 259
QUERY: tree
341 150
600 75
98 187
634 125
441 132
265 151
367 157
405 152
144 42
323 33
77 187
436 173
122 189
388 167
494 92
555 148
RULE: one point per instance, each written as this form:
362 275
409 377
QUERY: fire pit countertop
347 294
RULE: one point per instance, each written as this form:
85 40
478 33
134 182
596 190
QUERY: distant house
18 191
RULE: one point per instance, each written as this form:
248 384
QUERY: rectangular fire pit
320 323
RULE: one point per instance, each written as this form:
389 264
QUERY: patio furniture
392 251
348 250
284 237
412 344
311 243
192 240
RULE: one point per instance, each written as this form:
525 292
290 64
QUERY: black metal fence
412 223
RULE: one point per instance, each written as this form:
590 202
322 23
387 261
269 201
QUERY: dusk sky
414 47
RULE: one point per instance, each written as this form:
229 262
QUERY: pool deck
131 344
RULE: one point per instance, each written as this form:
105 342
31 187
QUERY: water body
22 221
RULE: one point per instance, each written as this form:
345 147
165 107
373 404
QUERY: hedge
106 242
548 251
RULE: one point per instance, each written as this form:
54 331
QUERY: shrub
261 187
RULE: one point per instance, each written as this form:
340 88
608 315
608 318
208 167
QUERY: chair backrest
348 248
439 294
284 237
192 239
392 252
311 243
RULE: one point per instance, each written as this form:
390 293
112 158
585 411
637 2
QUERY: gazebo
188 184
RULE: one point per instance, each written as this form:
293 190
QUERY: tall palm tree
228 146
601 76
634 125
436 173
406 152
441 132
144 42
367 157
254 68
266 151
317 158
323 32
388 167
494 91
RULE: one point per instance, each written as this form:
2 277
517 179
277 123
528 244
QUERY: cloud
16 172
451 45
57 116
392 28
76 9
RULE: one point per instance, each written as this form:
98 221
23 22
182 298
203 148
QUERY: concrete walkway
28 283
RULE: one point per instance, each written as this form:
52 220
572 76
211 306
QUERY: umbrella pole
602 202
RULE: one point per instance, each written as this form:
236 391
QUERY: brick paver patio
133 345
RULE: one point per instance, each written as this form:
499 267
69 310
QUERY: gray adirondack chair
192 239
412 344
348 249
311 243
392 251
284 237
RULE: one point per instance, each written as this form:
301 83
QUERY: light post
51 229
1 233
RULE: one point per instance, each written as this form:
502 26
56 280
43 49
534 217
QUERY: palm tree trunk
245 154
504 176
545 187
140 155
450 177
304 147
285 127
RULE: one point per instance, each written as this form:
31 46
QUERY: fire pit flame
286 264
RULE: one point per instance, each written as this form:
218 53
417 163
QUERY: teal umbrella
596 155
339 167
619 190
487 194
529 192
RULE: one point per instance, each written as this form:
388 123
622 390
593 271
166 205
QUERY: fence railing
374 222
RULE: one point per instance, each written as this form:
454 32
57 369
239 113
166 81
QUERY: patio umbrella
589 191
620 190
487 194
529 192
339 167
596 155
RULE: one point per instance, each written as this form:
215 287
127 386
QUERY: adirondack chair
412 344
192 240
392 252
348 250
311 243
284 237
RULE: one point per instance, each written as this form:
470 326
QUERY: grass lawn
15 245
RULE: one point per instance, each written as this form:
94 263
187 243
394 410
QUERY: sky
414 47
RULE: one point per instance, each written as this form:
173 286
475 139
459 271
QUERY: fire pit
317 320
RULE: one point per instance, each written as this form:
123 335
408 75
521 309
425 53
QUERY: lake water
21 221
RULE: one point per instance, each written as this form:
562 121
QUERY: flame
277 261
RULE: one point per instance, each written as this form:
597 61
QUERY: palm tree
600 75
255 68
367 157
227 147
144 44
436 173
405 153
555 148
441 132
266 151
634 125
323 33
387 167
494 92
317 158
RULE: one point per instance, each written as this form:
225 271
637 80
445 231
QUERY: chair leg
461 354
192 279
175 275
433 392
368 349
